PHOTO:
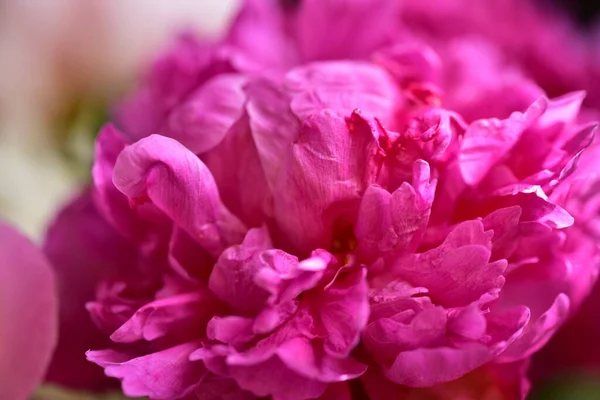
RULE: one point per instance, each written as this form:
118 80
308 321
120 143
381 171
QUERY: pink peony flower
27 315
285 215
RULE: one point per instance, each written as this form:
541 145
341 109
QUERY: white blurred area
55 53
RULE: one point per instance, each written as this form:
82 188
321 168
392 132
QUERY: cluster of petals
307 211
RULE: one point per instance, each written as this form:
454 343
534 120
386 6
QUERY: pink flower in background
27 315
297 215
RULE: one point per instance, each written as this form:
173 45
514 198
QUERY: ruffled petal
161 170
163 375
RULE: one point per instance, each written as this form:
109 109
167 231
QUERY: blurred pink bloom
291 214
27 315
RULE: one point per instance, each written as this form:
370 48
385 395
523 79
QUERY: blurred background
63 62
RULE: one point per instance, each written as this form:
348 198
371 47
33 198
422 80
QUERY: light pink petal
164 172
292 277
28 315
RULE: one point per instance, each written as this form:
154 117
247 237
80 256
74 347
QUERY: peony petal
330 164
178 183
172 76
164 375
487 141
344 311
394 222
273 125
458 272
233 276
183 314
426 367
84 250
274 378
343 87
326 30
235 166
539 331
206 116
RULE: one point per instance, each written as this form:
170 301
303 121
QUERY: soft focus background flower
28 315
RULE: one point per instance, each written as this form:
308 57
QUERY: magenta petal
469 323
240 177
84 250
328 168
178 183
28 320
204 119
233 276
344 312
274 378
337 22
171 77
374 232
539 331
274 127
181 313
300 356
259 32
458 272
392 222
337 391
295 365
110 202
426 367
386 337
165 375
343 87
487 141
